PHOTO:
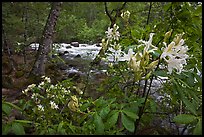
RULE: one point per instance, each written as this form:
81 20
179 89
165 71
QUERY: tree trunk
25 20
46 40
7 48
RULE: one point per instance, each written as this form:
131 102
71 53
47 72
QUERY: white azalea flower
175 63
175 54
129 55
112 33
148 44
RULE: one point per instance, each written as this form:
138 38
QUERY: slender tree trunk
46 40
7 49
25 20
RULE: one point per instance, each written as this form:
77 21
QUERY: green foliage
9 126
184 119
127 123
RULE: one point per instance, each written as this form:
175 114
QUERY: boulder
75 44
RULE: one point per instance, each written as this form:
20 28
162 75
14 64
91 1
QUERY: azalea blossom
129 55
175 54
148 44
112 33
175 63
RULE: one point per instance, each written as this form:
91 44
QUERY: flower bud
178 38
148 75
153 64
167 35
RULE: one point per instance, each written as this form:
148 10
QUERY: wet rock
68 47
75 44
74 75
19 74
7 82
63 67
61 54
98 44
83 45
77 56
66 52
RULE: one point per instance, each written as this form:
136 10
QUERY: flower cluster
175 54
112 44
30 87
139 60
112 33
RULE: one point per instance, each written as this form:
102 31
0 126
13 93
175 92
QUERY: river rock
74 75
77 56
75 44
68 47
98 44
66 52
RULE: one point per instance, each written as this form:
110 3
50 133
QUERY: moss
19 74
7 82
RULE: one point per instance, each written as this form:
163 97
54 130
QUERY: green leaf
190 106
12 105
190 80
6 108
24 121
18 129
6 129
111 121
82 118
198 129
110 101
153 106
184 119
59 128
130 114
128 123
99 102
140 101
160 73
51 131
99 124
85 106
104 112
